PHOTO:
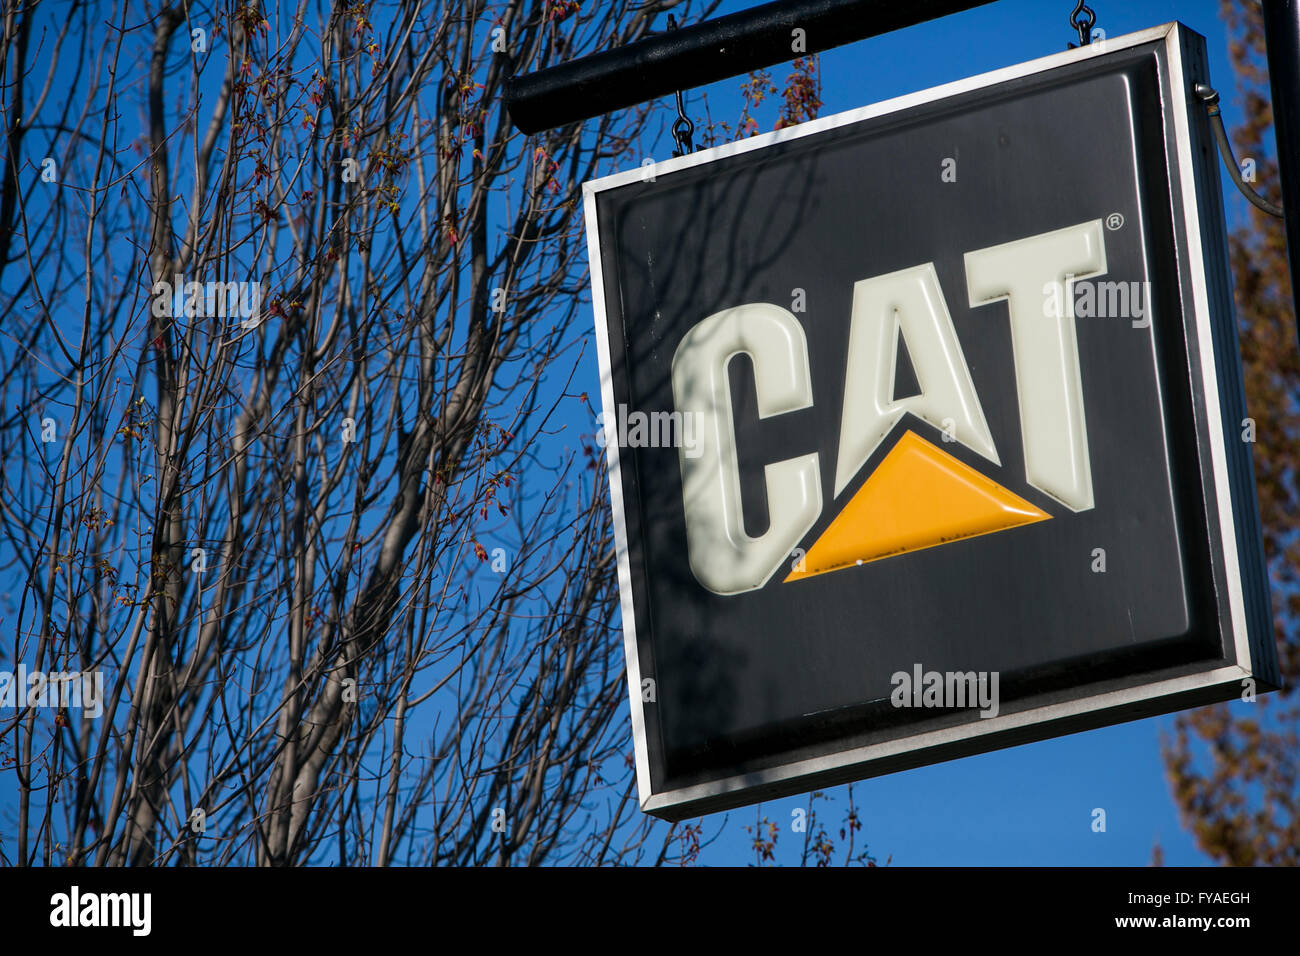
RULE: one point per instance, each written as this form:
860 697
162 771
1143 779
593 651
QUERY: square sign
925 429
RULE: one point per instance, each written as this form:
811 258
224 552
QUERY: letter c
723 557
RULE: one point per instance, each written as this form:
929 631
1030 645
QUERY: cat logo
919 496
947 389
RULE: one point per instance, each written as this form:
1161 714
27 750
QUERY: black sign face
925 429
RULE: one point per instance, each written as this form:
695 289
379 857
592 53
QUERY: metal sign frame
1217 391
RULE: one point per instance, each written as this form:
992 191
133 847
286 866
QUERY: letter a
907 304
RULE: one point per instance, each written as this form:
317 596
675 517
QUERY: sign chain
1083 20
683 128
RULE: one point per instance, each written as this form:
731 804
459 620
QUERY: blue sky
1030 805
1033 804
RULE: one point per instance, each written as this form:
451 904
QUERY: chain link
1083 20
683 128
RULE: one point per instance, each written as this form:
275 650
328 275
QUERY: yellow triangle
919 497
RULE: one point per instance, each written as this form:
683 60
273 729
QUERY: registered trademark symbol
1114 221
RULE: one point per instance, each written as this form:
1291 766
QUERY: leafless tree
337 548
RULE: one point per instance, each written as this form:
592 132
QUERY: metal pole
705 53
1282 35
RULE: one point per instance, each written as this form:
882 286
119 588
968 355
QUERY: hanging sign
925 429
